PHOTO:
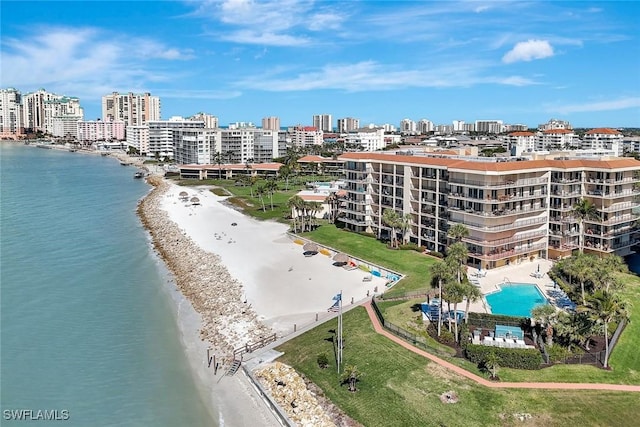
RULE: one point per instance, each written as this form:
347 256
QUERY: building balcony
354 221
501 242
503 254
613 195
500 212
565 194
563 181
506 183
615 220
485 227
620 206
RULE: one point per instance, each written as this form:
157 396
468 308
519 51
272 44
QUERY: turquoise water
515 300
87 323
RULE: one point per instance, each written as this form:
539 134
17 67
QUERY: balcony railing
505 183
496 228
565 181
614 220
620 206
502 242
612 195
509 253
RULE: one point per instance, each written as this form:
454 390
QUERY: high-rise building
365 139
61 116
10 112
97 130
603 139
271 123
555 139
489 126
514 210
161 134
553 124
408 127
133 109
210 122
195 146
33 109
323 122
348 124
304 136
248 144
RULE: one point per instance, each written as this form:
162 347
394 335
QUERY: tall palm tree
392 220
441 274
285 173
584 271
295 203
454 293
217 158
260 192
584 210
458 231
271 187
603 308
405 224
458 253
471 294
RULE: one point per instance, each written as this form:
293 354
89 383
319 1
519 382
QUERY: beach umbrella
309 246
340 257
183 194
195 200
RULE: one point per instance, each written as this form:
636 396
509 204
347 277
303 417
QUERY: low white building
603 139
365 139
98 130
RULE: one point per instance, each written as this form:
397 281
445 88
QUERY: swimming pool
516 299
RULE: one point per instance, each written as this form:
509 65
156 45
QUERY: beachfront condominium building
603 139
365 139
10 112
161 134
556 139
195 146
515 211
248 144
324 122
138 137
135 109
61 116
348 124
96 130
271 123
40 108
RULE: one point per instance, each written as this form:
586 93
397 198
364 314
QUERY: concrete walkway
483 381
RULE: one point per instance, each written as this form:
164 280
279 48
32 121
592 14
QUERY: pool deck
519 273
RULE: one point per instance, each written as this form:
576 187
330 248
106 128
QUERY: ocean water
87 321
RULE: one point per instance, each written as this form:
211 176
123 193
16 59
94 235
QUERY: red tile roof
606 131
522 133
551 131
471 165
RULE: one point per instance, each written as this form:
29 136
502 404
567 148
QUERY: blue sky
379 61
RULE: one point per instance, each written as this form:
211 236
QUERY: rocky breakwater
227 322
290 392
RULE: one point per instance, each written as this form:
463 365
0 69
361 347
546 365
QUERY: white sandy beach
280 284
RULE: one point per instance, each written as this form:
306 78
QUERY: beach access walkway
483 381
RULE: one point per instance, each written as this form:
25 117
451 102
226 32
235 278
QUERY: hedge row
489 320
517 358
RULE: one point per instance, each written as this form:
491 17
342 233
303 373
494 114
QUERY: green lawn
411 263
400 388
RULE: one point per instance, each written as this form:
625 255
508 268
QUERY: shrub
517 358
446 337
436 254
408 247
323 361
364 233
558 353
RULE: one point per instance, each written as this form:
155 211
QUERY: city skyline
520 62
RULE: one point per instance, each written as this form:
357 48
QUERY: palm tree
253 179
260 192
458 253
392 220
491 363
217 158
296 204
285 173
584 210
405 224
471 294
455 294
603 308
441 274
458 231
229 155
545 314
271 187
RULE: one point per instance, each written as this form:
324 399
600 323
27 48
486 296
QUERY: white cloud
83 62
610 105
265 38
529 50
373 76
198 94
